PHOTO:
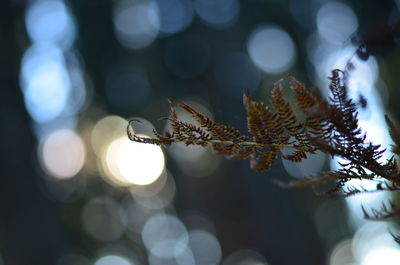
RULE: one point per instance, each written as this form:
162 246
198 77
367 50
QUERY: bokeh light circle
245 257
134 163
50 21
112 260
165 236
63 154
382 255
218 13
372 244
205 247
45 82
336 22
106 130
175 15
342 253
136 23
102 219
271 49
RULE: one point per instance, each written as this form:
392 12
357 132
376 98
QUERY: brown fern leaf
159 140
395 237
307 101
349 190
297 156
262 149
290 122
217 131
329 126
343 112
263 124
285 111
387 211
342 136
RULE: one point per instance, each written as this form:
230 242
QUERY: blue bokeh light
136 23
50 21
175 15
271 49
165 236
219 14
112 259
336 22
205 247
45 82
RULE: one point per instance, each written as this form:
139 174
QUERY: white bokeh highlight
271 49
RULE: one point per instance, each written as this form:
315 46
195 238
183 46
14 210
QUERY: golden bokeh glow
128 162
105 130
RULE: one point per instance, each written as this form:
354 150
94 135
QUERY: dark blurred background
76 191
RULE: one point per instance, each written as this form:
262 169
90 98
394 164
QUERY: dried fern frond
266 140
330 126
395 237
387 211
